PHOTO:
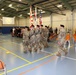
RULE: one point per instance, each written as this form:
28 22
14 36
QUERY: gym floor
42 63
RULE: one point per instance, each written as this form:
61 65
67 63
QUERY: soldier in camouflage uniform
42 37
32 38
26 39
38 36
61 41
46 32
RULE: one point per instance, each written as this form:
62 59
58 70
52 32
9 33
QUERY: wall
57 20
46 19
5 28
0 21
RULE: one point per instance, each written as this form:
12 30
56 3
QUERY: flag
35 14
31 17
40 18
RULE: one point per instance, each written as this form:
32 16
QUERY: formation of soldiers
35 38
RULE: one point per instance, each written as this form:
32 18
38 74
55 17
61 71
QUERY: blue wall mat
6 30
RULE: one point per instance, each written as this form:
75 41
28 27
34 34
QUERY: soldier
38 36
61 40
26 39
45 36
42 37
32 38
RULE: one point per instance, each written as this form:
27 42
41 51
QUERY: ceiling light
39 10
29 14
0 14
20 15
10 5
2 9
59 6
20 0
42 11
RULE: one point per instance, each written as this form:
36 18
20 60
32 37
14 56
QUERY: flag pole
36 16
31 17
40 18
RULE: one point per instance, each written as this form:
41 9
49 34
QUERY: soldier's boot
58 54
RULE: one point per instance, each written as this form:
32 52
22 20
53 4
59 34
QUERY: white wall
46 19
56 20
0 21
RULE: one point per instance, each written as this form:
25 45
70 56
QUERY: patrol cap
62 26
38 26
32 26
26 26
41 25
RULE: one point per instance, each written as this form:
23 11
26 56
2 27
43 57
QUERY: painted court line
44 57
29 63
69 58
16 68
38 66
15 55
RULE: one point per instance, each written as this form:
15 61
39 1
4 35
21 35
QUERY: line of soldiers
35 39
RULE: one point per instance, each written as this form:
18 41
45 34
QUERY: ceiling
23 6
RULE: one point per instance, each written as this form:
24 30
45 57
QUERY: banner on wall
8 20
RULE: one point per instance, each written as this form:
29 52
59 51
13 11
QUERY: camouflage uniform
32 39
61 41
26 40
46 36
38 36
42 37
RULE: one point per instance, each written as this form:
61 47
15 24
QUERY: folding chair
3 67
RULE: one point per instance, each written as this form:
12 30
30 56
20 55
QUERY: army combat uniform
61 41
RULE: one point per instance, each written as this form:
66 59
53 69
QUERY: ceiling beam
40 2
58 8
18 2
67 4
1 1
49 10
41 7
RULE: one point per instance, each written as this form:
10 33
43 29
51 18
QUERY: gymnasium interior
50 13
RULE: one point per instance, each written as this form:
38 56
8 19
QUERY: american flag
31 17
40 18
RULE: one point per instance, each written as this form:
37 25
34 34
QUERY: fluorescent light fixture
10 5
2 9
20 15
29 14
59 6
42 11
20 0
39 10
